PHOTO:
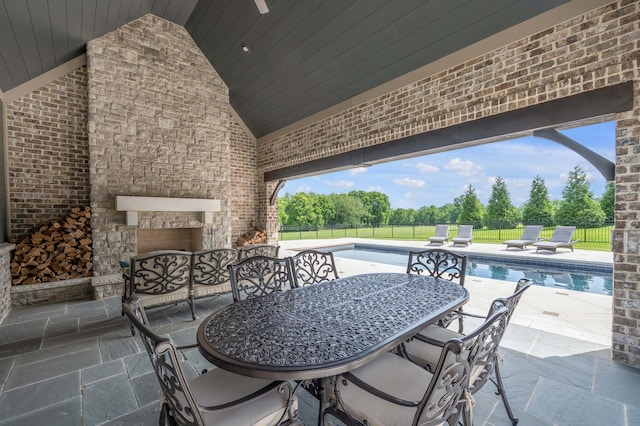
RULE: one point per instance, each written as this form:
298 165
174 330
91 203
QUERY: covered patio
220 104
76 362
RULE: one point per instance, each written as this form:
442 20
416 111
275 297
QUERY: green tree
304 209
538 209
471 211
500 211
426 215
327 208
283 217
446 214
402 216
377 204
577 205
347 210
607 202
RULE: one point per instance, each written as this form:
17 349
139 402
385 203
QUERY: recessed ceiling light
244 47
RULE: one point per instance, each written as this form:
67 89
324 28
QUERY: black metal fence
585 232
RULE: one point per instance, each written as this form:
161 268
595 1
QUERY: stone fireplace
159 131
166 238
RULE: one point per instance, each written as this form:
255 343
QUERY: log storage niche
56 251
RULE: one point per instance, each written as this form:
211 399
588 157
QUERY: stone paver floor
76 363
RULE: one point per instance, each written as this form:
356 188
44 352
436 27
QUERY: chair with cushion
258 250
441 236
211 271
260 275
312 267
425 347
391 390
530 235
160 278
464 237
562 237
440 263
216 397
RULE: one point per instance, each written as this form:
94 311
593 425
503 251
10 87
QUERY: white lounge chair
562 238
441 236
465 236
530 235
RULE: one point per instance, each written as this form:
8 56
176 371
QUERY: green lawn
589 238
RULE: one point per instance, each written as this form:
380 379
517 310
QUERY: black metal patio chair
393 390
441 263
260 275
312 267
423 349
215 397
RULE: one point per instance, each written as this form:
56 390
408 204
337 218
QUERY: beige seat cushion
219 386
201 290
427 354
164 298
393 375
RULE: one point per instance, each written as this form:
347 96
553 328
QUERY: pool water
547 276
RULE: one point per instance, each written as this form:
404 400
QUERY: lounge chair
562 238
441 236
465 236
530 235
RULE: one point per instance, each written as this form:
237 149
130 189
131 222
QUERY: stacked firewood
56 251
257 235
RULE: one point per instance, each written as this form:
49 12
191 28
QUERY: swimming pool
583 278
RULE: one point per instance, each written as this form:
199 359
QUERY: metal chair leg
500 391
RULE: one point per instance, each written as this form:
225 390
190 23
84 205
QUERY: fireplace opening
188 239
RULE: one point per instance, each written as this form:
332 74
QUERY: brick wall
244 181
158 126
48 152
591 51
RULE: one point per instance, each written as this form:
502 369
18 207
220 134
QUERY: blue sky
439 178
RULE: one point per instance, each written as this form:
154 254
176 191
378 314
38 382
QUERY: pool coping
511 258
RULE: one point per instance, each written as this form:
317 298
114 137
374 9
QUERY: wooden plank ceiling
304 56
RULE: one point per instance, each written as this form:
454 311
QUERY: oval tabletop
324 329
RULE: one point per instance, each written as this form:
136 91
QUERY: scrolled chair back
260 275
439 263
176 395
258 250
211 267
313 267
160 272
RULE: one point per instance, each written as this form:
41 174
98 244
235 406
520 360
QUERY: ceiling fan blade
262 6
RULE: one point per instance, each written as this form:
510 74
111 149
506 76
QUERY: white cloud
464 168
358 171
339 183
303 188
427 168
415 183
376 188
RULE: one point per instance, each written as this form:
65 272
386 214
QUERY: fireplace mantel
132 205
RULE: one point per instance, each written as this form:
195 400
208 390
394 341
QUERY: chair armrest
467 314
573 241
183 347
377 392
429 340
249 397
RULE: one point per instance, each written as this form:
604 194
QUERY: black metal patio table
325 329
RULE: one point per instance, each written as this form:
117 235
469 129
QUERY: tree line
362 208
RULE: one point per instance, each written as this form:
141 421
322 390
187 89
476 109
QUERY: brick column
626 238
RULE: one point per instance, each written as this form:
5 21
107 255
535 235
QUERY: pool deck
579 315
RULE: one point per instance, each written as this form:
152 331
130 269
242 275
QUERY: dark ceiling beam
595 103
606 167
